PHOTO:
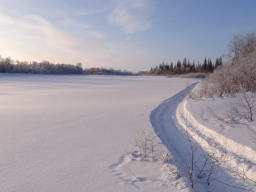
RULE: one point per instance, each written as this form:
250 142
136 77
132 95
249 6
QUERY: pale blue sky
124 34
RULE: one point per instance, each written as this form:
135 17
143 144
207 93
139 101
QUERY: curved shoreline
172 121
164 123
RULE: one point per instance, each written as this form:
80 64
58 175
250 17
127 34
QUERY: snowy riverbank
77 133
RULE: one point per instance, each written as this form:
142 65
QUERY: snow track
238 155
165 125
172 121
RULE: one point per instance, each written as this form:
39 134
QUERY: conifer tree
217 63
171 67
209 66
205 65
185 62
220 61
178 64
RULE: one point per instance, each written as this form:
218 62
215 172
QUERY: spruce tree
171 67
178 65
205 65
217 63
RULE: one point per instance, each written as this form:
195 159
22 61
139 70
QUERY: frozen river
62 133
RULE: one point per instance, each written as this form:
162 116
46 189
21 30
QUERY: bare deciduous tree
146 142
238 73
200 165
191 161
242 46
244 107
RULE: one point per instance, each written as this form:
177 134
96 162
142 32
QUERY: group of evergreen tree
7 65
185 67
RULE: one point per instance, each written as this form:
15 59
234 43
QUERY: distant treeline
103 71
7 65
185 67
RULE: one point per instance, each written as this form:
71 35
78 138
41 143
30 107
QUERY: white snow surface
77 133
232 144
74 133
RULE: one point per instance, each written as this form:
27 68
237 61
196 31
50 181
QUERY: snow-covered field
77 133
233 144
71 133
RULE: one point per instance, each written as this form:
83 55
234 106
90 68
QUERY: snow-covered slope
77 133
228 148
73 133
233 144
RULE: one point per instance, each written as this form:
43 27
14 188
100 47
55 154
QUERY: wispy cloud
130 15
36 30
51 34
75 24
34 37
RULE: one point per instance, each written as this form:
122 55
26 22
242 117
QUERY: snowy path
171 119
165 125
236 158
237 152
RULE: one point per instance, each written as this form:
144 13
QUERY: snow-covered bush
146 143
242 108
237 75
200 166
